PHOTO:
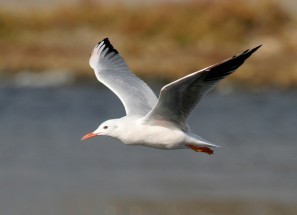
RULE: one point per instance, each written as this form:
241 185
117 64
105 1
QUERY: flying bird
149 121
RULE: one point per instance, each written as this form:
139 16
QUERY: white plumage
159 123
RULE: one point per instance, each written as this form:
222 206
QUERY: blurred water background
49 98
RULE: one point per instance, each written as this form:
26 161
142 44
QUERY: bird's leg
200 149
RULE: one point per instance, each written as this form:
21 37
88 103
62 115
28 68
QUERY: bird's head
107 128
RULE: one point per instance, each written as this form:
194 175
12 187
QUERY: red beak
88 136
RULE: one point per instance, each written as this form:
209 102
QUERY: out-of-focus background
49 98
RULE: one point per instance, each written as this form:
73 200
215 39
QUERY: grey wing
178 98
111 70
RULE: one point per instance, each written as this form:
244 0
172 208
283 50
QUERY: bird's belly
158 137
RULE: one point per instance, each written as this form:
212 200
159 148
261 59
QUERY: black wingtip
254 49
247 53
108 46
226 67
105 40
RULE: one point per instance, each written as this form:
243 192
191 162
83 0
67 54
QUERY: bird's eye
105 127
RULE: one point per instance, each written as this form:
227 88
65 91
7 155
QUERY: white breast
153 136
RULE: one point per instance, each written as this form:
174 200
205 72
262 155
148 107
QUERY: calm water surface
46 169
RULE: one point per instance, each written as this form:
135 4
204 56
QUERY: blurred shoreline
16 5
159 42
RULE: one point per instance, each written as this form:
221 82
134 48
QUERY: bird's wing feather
111 70
178 98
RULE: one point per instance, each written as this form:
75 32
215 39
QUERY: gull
149 121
